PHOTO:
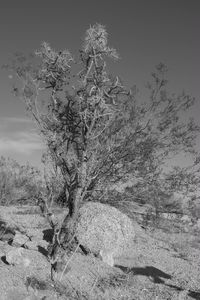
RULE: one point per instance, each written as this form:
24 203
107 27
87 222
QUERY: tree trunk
68 226
65 235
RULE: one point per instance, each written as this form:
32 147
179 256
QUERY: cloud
18 136
12 123
23 142
15 120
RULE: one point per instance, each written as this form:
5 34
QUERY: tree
95 131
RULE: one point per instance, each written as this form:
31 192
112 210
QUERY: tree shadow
149 271
48 235
192 294
3 259
43 251
157 276
195 295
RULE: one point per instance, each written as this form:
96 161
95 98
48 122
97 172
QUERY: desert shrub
55 188
19 184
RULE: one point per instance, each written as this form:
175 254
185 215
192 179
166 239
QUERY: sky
144 33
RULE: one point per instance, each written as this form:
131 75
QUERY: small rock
33 245
20 239
33 261
186 219
16 257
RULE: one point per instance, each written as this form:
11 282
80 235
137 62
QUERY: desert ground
163 263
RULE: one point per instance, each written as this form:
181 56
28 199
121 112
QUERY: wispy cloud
15 120
24 142
19 139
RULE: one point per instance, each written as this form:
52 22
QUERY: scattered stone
17 256
20 239
33 245
169 216
4 248
186 219
33 262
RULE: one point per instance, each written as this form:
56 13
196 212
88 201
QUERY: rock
32 242
169 216
20 239
17 256
4 248
42 243
35 234
33 245
186 219
105 231
33 262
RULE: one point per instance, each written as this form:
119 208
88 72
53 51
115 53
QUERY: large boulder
104 230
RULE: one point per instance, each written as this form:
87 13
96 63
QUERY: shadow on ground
48 235
158 276
149 271
43 251
3 259
192 294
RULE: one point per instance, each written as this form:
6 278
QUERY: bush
19 184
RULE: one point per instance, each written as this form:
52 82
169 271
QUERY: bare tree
96 132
